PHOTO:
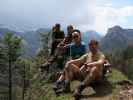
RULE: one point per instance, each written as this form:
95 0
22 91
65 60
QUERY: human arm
96 63
80 61
100 61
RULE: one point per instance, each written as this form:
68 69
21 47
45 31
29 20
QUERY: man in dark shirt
57 37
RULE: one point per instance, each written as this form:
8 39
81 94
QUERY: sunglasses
92 44
76 36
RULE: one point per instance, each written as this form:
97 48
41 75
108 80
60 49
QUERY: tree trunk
10 79
24 87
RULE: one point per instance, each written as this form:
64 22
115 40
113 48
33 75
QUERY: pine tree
11 50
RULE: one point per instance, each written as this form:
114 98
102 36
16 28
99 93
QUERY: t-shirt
58 35
75 51
89 57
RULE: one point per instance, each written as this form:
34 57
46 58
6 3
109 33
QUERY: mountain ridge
117 38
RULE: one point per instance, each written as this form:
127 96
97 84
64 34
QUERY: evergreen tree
45 42
11 50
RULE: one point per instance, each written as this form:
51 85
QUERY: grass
108 90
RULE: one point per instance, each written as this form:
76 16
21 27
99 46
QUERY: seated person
67 51
57 37
87 69
69 34
68 38
75 49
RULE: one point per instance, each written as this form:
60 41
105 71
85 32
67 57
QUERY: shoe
77 95
67 88
78 91
57 86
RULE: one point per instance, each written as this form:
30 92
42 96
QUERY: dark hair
69 26
93 41
78 31
57 25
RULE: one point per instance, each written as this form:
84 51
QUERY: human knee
94 70
68 64
94 74
90 77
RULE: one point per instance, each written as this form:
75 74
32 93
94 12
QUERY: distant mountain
6 30
42 30
31 39
88 35
117 38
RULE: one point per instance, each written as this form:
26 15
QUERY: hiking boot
67 87
77 93
57 86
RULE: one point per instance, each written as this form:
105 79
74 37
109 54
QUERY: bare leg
93 75
61 78
68 75
70 71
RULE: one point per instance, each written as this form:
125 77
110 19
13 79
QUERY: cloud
108 16
30 14
96 15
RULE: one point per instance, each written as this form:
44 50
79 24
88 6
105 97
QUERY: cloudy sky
96 15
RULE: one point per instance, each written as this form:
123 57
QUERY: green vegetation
123 60
108 90
26 81
10 52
